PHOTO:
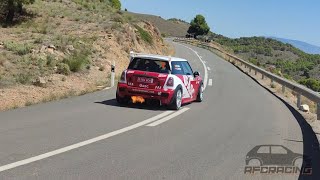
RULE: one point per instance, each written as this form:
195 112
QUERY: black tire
176 100
121 100
200 93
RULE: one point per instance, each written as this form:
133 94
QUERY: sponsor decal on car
143 86
143 91
187 83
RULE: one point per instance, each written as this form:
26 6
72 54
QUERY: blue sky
293 19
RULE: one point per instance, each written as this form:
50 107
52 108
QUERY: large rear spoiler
134 54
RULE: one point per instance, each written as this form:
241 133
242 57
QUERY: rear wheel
121 100
177 100
200 93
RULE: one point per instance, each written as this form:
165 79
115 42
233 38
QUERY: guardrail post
113 67
299 100
255 72
283 89
262 76
249 69
318 111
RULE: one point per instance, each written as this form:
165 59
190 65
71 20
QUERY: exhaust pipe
137 99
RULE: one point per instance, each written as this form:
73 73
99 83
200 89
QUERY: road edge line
83 143
167 118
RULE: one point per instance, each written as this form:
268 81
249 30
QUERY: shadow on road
144 106
311 147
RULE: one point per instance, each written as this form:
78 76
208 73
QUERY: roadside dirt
27 50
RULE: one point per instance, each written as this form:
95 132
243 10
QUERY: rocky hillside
171 27
62 48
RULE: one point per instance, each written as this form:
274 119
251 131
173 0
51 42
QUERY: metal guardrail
299 89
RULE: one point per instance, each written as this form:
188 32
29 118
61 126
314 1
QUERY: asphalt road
91 137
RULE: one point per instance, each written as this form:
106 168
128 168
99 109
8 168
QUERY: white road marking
209 69
155 123
210 82
83 143
203 63
107 88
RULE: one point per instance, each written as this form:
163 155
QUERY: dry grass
70 44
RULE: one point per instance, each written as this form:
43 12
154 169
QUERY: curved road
91 137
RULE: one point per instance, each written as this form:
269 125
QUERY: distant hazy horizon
290 19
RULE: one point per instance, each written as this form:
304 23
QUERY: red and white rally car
169 80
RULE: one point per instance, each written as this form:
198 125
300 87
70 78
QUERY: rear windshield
149 65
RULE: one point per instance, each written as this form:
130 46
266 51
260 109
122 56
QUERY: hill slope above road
67 48
171 27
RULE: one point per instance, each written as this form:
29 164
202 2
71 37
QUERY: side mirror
196 73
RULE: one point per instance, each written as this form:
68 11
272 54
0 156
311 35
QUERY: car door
193 82
183 70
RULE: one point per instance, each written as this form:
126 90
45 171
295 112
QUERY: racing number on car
158 87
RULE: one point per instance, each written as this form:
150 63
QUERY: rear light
170 82
123 77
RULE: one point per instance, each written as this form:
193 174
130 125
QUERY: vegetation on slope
171 27
57 46
282 59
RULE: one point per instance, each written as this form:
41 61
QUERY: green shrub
118 18
24 78
144 35
50 61
313 84
76 62
116 4
19 49
116 26
253 61
63 68
38 40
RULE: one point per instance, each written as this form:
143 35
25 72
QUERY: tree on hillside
10 7
198 26
116 4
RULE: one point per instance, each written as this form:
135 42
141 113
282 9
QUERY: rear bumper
164 96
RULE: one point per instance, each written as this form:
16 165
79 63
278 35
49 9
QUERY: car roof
155 57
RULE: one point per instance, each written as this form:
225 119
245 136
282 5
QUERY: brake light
170 82
123 77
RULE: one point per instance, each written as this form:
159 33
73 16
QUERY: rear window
149 65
